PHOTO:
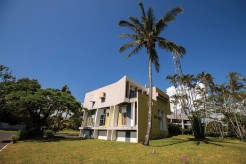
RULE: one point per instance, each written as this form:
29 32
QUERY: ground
5 137
176 149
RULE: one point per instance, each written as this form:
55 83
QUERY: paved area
5 138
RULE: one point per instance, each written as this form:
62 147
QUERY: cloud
172 91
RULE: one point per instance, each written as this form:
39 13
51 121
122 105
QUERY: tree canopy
24 101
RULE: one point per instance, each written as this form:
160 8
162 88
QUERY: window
127 88
102 118
161 120
128 134
133 92
102 100
93 103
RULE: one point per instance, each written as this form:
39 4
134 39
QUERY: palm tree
146 33
207 80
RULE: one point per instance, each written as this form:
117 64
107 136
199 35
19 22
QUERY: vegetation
69 131
15 137
23 101
48 134
202 99
169 150
147 33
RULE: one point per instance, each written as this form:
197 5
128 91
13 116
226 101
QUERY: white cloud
172 91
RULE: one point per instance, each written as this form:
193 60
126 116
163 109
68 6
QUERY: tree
234 106
65 88
146 33
10 92
24 101
5 74
192 98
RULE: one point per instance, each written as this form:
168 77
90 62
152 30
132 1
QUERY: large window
161 120
133 92
102 118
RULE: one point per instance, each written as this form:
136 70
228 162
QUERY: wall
160 102
142 115
114 94
159 105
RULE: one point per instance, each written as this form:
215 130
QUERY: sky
75 42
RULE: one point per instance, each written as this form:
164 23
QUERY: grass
68 131
2 131
169 150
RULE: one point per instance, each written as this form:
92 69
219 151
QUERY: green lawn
68 131
169 150
2 131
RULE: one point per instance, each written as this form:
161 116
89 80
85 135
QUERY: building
119 112
181 120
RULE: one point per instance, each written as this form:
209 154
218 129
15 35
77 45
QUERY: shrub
48 134
15 137
22 134
175 129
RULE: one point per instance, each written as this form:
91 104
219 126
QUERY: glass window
102 120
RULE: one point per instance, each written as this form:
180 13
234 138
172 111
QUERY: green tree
5 74
146 33
11 91
65 88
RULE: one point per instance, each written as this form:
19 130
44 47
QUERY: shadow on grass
194 140
56 138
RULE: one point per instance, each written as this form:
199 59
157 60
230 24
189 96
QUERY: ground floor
112 135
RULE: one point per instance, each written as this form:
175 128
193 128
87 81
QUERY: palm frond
137 23
135 51
155 59
131 26
128 45
169 16
133 36
125 23
142 9
171 46
150 20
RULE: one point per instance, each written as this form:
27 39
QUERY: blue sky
75 42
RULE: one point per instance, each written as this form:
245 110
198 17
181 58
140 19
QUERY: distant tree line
24 101
204 102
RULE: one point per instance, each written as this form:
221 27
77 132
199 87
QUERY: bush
22 134
48 134
213 129
175 129
15 137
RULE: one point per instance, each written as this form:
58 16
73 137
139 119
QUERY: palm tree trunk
147 136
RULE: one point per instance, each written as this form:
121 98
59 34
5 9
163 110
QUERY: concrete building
119 111
179 120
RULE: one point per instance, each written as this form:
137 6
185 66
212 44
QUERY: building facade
181 120
119 112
